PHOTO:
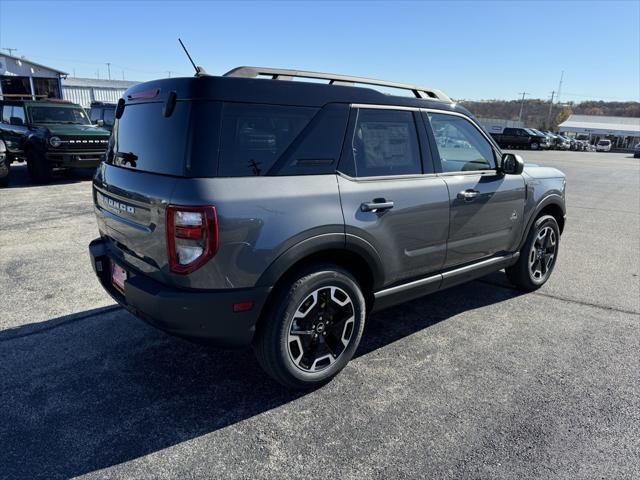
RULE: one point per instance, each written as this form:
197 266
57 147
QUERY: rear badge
117 206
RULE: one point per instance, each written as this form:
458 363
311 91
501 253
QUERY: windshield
604 142
72 115
532 131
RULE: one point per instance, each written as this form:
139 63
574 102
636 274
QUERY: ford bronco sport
50 134
277 213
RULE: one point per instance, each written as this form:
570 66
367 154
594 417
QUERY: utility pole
122 74
98 73
10 50
108 64
550 110
169 73
521 105
559 87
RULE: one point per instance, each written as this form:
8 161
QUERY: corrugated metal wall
85 95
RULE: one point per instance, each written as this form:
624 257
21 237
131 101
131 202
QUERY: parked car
603 146
4 165
546 141
236 216
563 143
636 151
103 114
519 138
50 134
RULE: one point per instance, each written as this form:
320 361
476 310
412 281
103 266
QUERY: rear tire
311 328
39 168
4 180
538 255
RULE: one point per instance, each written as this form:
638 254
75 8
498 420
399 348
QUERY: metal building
87 90
23 79
624 132
497 125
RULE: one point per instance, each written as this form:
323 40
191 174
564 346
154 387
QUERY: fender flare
551 199
322 243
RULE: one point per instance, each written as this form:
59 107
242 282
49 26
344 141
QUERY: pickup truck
49 134
520 138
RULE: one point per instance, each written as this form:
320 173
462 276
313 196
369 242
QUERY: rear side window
385 142
255 136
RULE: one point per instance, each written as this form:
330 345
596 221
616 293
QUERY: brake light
192 237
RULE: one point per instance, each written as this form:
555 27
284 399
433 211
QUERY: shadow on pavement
20 177
85 392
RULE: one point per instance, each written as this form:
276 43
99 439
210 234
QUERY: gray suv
252 209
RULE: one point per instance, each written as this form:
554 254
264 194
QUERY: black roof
281 92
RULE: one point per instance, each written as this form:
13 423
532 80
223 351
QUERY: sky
469 49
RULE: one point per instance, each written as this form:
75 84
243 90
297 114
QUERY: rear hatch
152 148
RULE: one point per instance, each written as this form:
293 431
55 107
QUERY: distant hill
535 111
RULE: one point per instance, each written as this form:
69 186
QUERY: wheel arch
551 205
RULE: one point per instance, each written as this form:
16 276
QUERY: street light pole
550 110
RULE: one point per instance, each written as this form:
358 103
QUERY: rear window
146 140
254 136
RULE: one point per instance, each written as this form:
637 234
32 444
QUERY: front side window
95 114
461 145
255 136
385 142
58 115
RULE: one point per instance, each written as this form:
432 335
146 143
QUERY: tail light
192 237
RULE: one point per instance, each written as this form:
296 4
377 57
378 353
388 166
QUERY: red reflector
242 307
191 233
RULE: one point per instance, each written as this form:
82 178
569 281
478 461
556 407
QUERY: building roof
26 60
97 83
602 124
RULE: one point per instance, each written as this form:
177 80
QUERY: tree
563 116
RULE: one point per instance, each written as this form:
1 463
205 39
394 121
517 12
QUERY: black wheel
39 168
312 327
538 255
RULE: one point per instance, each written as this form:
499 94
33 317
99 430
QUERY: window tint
254 136
385 142
461 145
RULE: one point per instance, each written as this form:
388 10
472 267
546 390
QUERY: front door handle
378 205
468 194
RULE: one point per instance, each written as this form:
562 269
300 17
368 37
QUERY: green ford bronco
50 134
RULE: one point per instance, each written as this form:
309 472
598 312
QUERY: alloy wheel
542 254
321 329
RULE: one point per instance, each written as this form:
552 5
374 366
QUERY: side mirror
100 123
511 164
16 121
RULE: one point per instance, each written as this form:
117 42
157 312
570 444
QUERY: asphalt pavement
479 381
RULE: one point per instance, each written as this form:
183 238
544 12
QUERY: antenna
199 70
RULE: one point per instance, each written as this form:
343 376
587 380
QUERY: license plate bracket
118 277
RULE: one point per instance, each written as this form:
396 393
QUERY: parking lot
479 381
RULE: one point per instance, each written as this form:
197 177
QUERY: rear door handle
468 195
378 205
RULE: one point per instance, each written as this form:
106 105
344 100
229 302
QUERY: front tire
312 327
538 255
39 168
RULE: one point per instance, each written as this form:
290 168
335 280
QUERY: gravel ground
478 381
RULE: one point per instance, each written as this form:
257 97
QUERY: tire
538 256
4 179
329 331
40 170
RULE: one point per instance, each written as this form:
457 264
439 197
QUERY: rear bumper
203 315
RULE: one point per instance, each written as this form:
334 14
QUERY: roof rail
285 74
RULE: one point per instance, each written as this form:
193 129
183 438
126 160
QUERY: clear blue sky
471 50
